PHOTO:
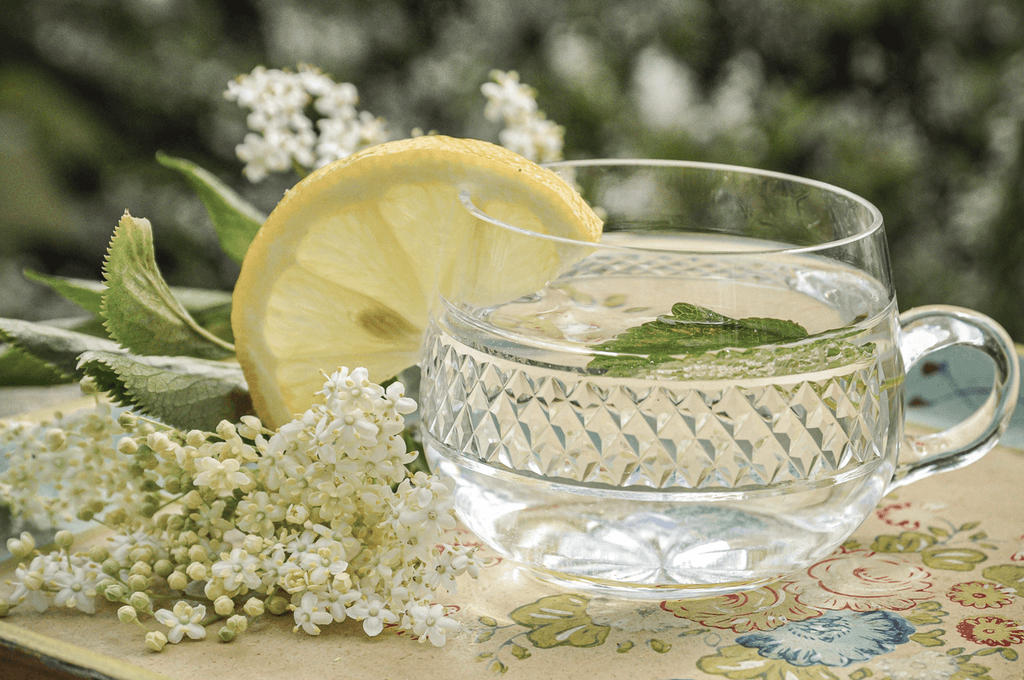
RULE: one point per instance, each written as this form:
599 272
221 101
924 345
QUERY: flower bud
114 593
253 606
197 553
225 430
127 614
175 522
193 499
137 582
156 640
32 580
127 420
238 623
277 605
98 554
127 446
196 571
163 567
5 608
64 539
16 547
177 580
195 438
85 514
226 634
139 600
213 590
141 568
224 606
172 485
55 438
116 517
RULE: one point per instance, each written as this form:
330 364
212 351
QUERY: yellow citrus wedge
341 272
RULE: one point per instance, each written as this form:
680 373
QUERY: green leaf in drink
695 343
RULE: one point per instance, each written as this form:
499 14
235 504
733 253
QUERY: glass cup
709 398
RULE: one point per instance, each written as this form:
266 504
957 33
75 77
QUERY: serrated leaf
234 219
181 391
58 348
139 308
211 309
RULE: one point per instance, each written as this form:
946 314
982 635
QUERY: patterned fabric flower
980 595
862 580
833 639
991 630
764 608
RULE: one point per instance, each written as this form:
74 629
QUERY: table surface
930 586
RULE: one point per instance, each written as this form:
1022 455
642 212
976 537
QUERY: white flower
184 620
236 569
373 613
77 589
310 615
507 98
257 513
430 623
220 476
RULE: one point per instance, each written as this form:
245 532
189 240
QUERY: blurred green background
917 105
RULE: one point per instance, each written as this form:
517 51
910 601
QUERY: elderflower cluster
527 131
283 135
320 518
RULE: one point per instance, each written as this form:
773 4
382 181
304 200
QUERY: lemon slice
342 272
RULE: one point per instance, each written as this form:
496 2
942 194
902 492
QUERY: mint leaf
57 348
694 343
234 219
139 309
183 392
691 329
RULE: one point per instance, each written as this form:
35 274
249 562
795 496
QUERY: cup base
653 545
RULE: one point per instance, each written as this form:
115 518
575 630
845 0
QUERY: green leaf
560 620
57 348
140 310
85 293
520 652
660 646
906 542
932 638
20 369
697 343
210 308
624 647
952 559
1009 575
180 391
488 621
1008 654
234 219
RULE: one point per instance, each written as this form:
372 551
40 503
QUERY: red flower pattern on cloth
763 608
862 580
980 595
890 514
993 631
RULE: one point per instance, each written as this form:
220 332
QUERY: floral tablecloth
931 586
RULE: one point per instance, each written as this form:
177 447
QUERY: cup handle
928 329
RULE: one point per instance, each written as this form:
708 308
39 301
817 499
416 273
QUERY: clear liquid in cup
709 473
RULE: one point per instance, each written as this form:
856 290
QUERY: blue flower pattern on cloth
836 638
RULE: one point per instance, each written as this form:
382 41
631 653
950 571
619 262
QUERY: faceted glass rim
869 229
